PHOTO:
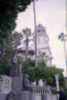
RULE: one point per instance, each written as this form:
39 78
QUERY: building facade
43 47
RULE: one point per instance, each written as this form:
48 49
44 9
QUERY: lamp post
57 84
63 38
34 12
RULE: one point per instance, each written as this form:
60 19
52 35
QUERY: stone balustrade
41 90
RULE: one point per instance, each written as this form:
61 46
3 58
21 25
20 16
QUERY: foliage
5 61
14 40
26 34
8 15
52 71
8 53
42 71
65 90
9 10
35 73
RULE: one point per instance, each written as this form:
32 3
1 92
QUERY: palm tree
27 33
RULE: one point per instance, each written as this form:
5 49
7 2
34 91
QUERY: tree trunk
37 82
27 43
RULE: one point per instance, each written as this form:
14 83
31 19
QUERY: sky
52 15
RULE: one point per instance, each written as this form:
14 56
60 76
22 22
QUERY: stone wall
27 95
2 96
5 84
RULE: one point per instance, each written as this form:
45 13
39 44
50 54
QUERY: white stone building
43 47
